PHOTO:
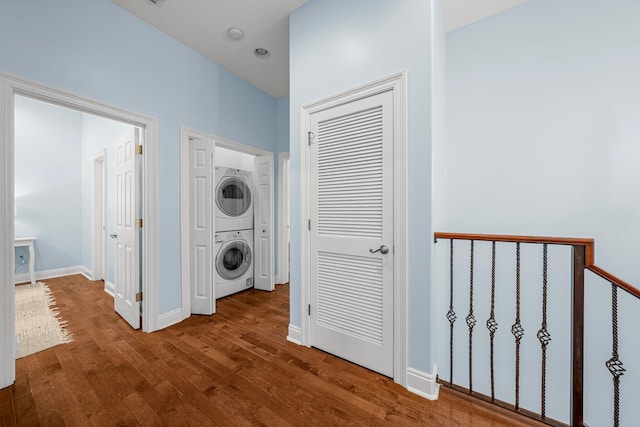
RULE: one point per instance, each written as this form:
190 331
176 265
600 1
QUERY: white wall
47 183
226 158
543 126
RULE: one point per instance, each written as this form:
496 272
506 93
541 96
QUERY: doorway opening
12 91
61 191
227 213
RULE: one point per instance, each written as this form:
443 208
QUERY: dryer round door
233 196
234 259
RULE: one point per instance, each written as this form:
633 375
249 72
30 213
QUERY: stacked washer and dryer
234 231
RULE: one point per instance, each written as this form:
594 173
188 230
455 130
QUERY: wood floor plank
7 417
25 411
234 368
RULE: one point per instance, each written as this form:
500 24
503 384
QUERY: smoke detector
158 3
235 33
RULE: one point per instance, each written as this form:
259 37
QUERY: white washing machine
234 262
234 199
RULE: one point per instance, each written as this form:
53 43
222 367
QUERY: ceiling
202 25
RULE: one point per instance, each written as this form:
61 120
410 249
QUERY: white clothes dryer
234 199
234 262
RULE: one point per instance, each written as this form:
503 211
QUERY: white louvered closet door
351 215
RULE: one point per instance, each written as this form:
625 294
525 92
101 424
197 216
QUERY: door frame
284 217
395 83
185 238
10 86
98 217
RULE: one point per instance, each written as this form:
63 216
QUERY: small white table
28 242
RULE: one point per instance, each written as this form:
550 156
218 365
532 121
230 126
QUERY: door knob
114 235
383 249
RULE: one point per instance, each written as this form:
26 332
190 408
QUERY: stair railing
582 259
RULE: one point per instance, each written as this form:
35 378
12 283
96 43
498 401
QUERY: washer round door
234 260
233 196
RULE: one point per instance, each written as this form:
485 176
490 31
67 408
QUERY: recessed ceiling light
262 53
235 33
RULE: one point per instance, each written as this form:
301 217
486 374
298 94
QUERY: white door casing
99 217
201 226
352 231
263 224
283 217
396 84
127 236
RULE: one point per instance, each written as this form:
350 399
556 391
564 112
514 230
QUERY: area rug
38 326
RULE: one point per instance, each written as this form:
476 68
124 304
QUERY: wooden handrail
615 280
588 243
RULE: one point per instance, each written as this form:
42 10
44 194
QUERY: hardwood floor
234 368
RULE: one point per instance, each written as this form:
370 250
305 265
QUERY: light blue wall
543 126
98 135
336 46
282 124
47 183
95 49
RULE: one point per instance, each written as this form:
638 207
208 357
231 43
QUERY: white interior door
127 236
351 232
263 224
201 251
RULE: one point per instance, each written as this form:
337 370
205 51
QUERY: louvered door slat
331 182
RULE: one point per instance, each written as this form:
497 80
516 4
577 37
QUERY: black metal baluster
543 335
614 364
451 315
492 325
471 320
516 328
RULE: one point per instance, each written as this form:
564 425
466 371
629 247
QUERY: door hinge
138 149
139 297
309 309
310 137
309 225
139 223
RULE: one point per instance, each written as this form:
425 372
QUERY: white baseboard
295 335
88 275
110 288
50 274
171 318
423 384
